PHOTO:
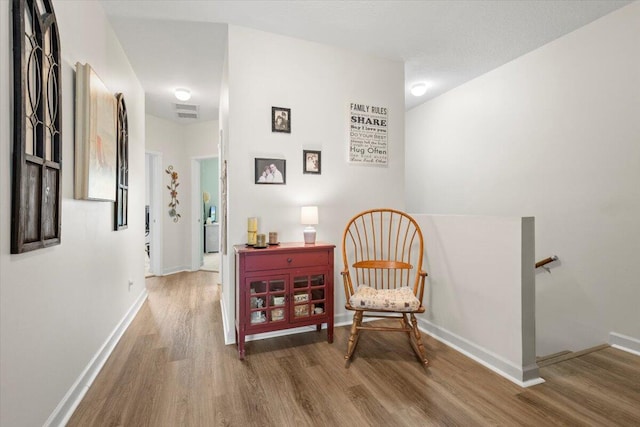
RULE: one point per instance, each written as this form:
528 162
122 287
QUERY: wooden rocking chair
382 250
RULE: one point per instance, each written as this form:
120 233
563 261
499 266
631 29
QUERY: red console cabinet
283 286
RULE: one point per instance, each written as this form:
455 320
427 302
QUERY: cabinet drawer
290 260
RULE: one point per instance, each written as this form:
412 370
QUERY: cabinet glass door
318 298
267 300
308 296
276 300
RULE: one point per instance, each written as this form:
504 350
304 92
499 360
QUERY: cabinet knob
289 260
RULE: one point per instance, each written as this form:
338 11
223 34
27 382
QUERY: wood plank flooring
171 368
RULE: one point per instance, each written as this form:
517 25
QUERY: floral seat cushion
401 299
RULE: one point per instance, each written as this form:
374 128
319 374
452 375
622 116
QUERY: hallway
171 368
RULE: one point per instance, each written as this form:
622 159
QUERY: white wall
59 305
317 82
480 292
202 139
226 299
554 134
166 137
179 144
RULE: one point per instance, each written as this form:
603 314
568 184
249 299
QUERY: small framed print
280 119
271 171
301 298
301 310
311 161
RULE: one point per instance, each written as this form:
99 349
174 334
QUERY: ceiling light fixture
419 89
183 94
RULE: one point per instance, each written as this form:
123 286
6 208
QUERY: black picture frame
281 119
270 171
311 162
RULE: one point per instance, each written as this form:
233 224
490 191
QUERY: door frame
197 226
155 208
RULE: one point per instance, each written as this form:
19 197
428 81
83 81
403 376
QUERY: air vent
187 111
187 107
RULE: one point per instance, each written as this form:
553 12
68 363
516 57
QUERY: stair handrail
546 261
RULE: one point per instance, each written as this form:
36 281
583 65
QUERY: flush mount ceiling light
419 89
182 94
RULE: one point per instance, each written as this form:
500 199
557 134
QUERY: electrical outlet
130 284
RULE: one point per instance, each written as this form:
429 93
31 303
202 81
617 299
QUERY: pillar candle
252 224
273 238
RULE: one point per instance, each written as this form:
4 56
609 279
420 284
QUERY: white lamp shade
309 215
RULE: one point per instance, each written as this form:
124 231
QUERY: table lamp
309 217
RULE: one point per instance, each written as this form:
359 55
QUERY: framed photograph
96 139
301 310
271 171
280 119
311 161
301 298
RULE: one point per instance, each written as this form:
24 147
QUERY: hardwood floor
171 368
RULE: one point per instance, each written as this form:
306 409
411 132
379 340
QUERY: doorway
205 248
153 206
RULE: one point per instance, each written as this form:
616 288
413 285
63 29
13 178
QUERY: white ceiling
181 43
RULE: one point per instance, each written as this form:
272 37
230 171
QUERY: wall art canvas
96 140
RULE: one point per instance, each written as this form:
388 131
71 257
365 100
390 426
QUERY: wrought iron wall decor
121 206
37 145
173 192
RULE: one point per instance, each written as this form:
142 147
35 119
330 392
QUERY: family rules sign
368 134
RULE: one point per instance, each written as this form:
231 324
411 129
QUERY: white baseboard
526 376
625 343
60 416
230 338
229 333
174 270
343 319
283 332
523 376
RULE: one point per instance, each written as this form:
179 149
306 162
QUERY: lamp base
309 236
